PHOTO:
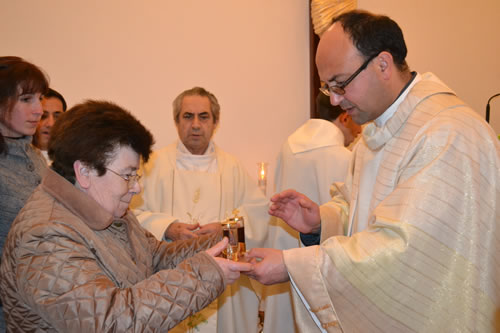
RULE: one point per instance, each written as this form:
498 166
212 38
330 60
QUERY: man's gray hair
197 91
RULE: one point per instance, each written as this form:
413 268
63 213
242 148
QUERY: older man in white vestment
192 185
419 210
310 161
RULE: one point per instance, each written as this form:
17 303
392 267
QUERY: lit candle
262 176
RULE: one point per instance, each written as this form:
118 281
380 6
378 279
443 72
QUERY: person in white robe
311 159
411 241
316 154
189 187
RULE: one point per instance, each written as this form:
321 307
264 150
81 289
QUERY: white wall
253 55
458 40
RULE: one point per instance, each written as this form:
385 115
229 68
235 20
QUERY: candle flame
262 171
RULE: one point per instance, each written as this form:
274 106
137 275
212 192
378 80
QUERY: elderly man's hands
214 227
230 268
268 266
179 231
297 210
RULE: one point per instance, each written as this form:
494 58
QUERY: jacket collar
18 146
79 203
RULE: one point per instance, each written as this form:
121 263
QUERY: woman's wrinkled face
110 190
24 117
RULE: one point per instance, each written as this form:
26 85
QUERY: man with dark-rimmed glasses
411 240
337 88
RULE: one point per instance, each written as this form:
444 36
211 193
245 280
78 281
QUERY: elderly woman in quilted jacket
76 260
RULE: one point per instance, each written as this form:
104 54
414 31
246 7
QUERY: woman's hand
230 268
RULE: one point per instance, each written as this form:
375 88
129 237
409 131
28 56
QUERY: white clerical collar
187 161
384 117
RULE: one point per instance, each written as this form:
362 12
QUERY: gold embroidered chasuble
430 258
197 190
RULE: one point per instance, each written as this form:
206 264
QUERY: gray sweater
21 170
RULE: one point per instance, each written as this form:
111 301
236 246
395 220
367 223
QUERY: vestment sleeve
152 205
335 213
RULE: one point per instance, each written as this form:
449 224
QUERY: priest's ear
82 174
385 64
343 118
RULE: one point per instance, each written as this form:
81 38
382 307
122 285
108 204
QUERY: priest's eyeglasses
131 180
338 88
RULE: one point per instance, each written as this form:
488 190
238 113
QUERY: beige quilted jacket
68 266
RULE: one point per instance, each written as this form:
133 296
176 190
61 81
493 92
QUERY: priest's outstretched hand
297 210
230 268
268 266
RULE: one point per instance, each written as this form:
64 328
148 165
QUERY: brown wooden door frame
313 73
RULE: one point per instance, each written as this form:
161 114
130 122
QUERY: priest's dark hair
372 34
